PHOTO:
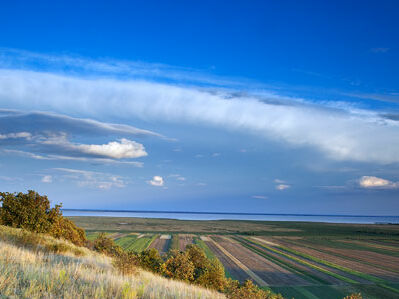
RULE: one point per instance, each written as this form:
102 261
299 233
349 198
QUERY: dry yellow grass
34 272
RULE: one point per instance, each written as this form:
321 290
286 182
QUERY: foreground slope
38 266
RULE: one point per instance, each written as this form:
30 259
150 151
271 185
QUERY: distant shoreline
222 213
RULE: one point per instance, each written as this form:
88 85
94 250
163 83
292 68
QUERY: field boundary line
255 277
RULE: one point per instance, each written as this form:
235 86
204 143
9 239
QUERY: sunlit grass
29 269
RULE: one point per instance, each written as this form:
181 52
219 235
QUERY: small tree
151 260
29 211
179 267
106 245
213 277
63 228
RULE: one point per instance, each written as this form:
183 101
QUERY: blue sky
248 106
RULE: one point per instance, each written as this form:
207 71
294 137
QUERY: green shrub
248 289
126 263
106 245
179 267
63 228
150 260
31 211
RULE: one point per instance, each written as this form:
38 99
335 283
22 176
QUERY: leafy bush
106 246
126 263
179 267
63 228
31 211
248 289
150 260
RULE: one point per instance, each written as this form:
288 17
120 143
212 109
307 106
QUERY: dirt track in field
349 259
185 240
232 268
162 245
267 270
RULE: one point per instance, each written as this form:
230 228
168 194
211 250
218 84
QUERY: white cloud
156 181
375 182
47 179
215 154
281 187
117 150
24 135
125 148
340 134
259 197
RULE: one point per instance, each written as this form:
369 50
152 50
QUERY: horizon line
220 213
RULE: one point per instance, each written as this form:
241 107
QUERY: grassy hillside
39 266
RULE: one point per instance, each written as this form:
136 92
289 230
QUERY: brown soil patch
162 245
185 240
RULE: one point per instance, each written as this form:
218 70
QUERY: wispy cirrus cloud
259 197
341 134
93 179
47 137
70 158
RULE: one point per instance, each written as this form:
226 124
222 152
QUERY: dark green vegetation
334 259
32 212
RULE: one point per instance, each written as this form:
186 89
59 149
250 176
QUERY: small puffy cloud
180 178
259 196
215 154
375 182
47 179
117 150
124 148
156 181
282 187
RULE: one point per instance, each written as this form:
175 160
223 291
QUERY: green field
343 245
126 241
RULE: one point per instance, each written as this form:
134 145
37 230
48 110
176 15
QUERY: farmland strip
231 268
255 277
379 281
284 263
363 263
343 278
